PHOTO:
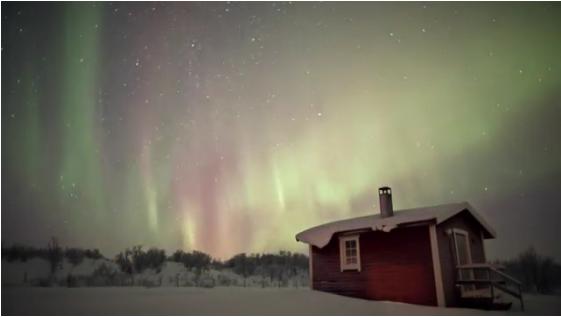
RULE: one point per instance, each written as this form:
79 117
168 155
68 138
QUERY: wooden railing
491 276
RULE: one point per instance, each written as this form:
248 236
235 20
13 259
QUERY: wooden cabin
430 256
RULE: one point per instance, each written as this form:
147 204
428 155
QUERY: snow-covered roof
319 236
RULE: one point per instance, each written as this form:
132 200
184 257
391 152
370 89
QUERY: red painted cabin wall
395 265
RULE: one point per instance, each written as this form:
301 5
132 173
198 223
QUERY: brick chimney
386 206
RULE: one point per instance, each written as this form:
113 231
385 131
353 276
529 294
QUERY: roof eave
488 232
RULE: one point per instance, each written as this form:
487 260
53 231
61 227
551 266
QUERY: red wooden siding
395 266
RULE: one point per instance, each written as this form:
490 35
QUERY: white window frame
343 255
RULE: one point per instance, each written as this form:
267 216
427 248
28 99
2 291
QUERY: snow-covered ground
18 297
223 301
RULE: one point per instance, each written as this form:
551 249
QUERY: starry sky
230 127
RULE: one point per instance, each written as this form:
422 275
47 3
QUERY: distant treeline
278 268
53 253
282 266
537 273
24 253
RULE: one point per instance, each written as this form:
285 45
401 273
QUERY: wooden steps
485 303
487 292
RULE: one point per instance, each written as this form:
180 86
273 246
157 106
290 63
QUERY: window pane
350 253
461 241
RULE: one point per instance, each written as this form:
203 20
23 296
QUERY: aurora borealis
230 127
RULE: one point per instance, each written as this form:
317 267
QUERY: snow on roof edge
320 236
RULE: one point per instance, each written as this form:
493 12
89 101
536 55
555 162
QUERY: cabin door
463 256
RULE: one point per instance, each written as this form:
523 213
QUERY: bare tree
54 254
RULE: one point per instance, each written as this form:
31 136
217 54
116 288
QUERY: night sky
230 127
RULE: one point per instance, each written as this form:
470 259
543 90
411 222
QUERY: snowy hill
36 270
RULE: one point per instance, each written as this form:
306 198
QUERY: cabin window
349 251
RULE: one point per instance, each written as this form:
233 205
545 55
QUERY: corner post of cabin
439 287
310 267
